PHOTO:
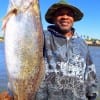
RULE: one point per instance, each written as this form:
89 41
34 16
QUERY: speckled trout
24 47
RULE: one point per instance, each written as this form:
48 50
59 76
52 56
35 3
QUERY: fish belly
24 53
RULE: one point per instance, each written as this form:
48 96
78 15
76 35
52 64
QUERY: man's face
64 19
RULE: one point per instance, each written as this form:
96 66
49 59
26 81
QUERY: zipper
67 45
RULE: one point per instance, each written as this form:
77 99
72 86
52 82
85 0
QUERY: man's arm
91 80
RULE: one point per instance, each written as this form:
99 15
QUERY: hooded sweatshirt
69 67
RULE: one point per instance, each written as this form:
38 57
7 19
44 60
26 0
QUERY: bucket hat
51 11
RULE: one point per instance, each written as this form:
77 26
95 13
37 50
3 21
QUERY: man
70 72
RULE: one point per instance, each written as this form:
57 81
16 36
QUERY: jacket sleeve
42 93
91 80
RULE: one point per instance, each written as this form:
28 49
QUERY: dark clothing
70 73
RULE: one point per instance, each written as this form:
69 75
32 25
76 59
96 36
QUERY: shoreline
1 40
89 44
98 45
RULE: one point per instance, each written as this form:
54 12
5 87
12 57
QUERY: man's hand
5 96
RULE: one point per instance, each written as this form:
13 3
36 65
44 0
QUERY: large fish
24 48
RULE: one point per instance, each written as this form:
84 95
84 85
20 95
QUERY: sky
88 26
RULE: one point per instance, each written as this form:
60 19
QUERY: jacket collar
54 30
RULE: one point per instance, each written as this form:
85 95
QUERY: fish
23 41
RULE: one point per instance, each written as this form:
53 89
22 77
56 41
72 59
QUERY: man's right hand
5 96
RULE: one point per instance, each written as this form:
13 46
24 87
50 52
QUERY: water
95 53
3 73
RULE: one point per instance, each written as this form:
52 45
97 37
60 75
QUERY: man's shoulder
82 43
47 34
79 39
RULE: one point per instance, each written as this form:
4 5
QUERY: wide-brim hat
51 11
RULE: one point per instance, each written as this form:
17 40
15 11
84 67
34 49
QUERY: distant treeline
1 37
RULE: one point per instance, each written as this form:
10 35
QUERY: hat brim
51 11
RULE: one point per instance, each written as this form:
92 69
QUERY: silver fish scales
24 48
